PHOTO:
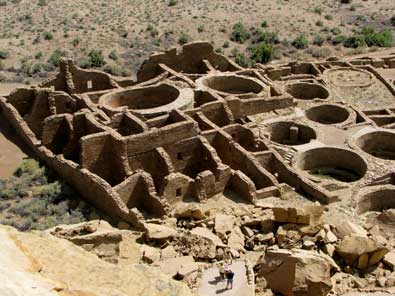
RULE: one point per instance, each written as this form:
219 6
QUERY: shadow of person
220 291
215 281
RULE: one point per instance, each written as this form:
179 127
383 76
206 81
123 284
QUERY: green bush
300 42
354 41
153 31
113 55
29 201
338 39
318 40
76 41
262 53
200 28
239 33
267 37
380 39
242 60
48 36
4 54
96 58
56 56
172 2
183 39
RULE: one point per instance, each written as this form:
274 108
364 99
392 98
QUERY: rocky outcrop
297 272
100 238
361 251
45 265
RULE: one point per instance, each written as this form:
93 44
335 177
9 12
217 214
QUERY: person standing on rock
229 278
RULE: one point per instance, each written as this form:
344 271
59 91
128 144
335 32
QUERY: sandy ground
11 154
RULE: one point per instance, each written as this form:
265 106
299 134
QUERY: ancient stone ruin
194 125
315 137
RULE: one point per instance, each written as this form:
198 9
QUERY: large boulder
310 215
159 232
192 211
297 272
345 228
100 238
360 251
224 225
208 234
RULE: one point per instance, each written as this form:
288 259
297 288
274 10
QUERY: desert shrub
338 39
328 17
42 2
38 55
264 24
242 60
392 20
346 1
55 57
48 36
116 70
354 41
300 42
172 2
4 54
3 3
319 23
267 37
113 55
261 53
76 41
380 39
239 33
200 28
226 44
336 31
183 39
318 40
29 200
96 59
152 30
317 10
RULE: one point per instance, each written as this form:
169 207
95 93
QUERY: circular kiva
380 144
332 163
307 91
149 101
377 200
231 84
290 133
349 77
328 114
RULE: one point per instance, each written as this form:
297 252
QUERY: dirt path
212 284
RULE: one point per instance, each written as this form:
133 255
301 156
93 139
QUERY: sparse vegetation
183 39
239 34
4 54
262 53
32 199
300 42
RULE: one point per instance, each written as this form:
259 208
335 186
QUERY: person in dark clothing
229 279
